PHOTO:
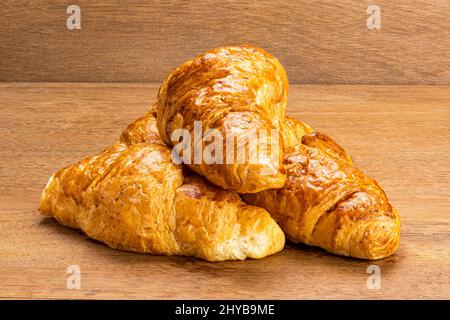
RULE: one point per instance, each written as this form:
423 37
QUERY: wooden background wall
140 41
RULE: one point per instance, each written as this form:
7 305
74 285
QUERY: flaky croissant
132 197
236 90
326 201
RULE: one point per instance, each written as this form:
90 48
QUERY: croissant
235 90
326 201
133 197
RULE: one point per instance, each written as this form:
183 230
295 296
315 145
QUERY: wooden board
398 134
141 41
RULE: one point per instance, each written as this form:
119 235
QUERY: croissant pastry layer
235 90
327 202
132 197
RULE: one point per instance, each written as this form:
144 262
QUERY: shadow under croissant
122 255
318 252
292 251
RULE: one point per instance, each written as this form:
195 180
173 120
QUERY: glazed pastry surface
327 202
132 197
237 90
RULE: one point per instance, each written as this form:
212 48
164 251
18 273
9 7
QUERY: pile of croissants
132 196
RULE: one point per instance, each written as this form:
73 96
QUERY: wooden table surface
398 134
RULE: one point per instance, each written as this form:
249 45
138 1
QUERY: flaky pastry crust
236 90
132 197
327 202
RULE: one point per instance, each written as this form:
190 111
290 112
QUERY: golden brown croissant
132 197
327 201
237 90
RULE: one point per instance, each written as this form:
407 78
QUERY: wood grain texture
397 134
141 41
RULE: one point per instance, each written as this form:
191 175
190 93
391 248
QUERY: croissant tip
382 242
262 236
